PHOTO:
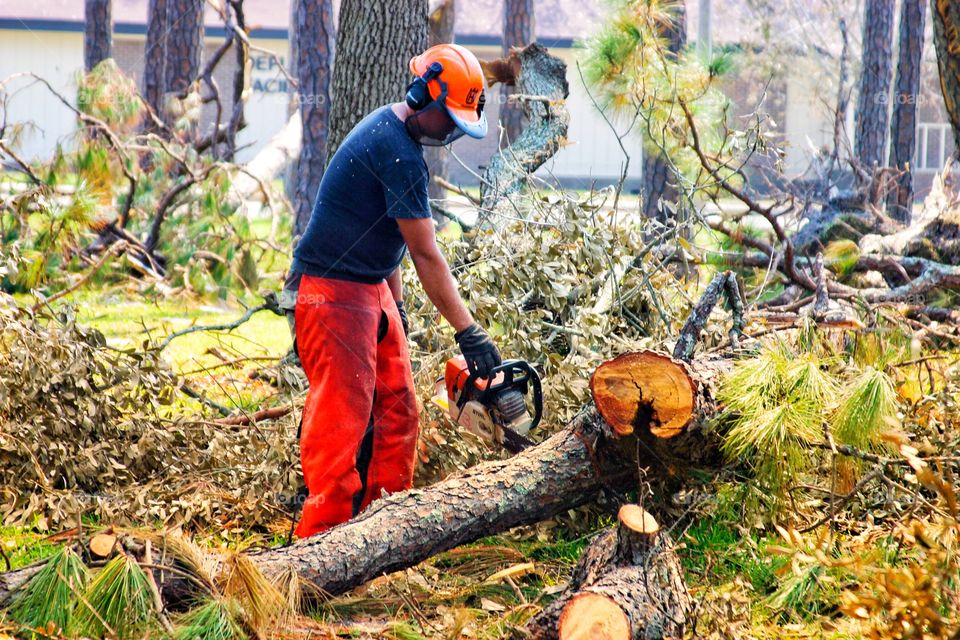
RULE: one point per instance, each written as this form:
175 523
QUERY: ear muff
418 93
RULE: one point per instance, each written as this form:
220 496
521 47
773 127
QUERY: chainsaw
493 409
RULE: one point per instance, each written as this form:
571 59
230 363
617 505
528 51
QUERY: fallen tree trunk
670 401
269 163
661 401
628 585
934 233
542 89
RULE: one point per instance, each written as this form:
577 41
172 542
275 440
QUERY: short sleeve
405 188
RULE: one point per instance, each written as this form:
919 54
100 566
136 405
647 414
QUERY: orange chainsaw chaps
360 418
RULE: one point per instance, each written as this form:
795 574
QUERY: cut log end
637 520
642 390
591 616
101 545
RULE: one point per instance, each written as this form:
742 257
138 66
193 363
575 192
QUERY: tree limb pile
670 399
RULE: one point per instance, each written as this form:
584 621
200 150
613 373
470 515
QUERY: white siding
56 57
266 108
809 116
592 150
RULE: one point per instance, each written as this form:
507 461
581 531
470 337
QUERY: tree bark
375 42
98 33
903 122
628 585
155 54
442 15
315 51
518 31
542 78
875 77
184 43
659 178
234 11
946 40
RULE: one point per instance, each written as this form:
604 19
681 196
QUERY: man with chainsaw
360 420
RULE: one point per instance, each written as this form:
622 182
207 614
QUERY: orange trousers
360 421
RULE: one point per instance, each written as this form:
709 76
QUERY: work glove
478 350
403 318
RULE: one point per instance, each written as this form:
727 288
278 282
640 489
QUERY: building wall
809 117
55 57
592 153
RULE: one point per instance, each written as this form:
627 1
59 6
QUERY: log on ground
628 585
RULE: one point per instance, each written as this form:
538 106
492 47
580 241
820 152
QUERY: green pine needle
868 407
50 595
213 620
774 406
119 597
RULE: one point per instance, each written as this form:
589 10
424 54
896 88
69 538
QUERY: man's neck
403 110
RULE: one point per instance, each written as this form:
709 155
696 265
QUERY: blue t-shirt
377 175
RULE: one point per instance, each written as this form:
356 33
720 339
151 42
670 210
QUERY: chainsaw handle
537 398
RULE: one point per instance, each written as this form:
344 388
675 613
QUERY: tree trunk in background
903 122
98 32
518 31
442 13
875 77
659 178
375 41
946 40
290 174
184 43
315 37
154 57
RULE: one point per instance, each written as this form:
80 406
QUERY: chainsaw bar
514 442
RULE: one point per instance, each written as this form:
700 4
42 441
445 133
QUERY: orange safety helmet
463 78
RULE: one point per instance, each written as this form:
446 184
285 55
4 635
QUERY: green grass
23 546
128 323
715 550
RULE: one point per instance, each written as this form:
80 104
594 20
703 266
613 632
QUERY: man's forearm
441 288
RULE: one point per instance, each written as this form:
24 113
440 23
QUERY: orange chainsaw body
494 409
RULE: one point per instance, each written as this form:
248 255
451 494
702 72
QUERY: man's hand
478 350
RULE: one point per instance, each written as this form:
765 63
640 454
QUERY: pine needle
866 410
214 620
49 596
775 405
262 603
187 556
118 597
296 592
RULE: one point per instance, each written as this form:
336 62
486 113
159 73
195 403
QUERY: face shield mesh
432 126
